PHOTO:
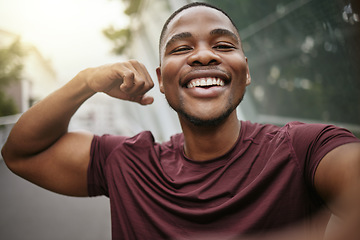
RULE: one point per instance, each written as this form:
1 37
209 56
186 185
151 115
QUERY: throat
211 143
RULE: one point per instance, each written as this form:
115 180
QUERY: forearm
47 121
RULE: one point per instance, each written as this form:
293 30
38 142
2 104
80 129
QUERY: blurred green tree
303 57
121 37
10 71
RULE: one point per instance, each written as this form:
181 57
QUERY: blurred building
38 78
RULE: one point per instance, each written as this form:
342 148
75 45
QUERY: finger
143 75
128 83
136 88
143 100
146 100
136 84
139 67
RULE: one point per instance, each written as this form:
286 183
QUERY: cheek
240 70
167 80
166 70
170 72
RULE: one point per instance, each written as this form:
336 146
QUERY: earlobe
158 74
248 77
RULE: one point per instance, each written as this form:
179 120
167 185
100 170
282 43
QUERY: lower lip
210 92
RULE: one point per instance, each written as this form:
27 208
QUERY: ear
158 73
248 77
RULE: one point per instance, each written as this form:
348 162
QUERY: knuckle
133 62
127 74
141 84
124 88
151 84
142 65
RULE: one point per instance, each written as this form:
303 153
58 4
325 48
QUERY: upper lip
204 73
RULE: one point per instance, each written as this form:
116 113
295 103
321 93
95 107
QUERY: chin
206 122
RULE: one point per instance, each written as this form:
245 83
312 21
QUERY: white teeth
203 82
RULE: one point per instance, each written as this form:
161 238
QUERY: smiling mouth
205 82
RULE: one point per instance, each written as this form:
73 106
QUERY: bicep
337 175
61 168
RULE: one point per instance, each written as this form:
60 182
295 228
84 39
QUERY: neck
203 143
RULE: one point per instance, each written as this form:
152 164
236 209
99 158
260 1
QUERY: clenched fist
126 80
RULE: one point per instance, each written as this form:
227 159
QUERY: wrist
81 83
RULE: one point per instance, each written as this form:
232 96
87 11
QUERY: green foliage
133 6
122 37
303 57
10 63
10 72
7 105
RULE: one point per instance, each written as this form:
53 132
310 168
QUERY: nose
203 56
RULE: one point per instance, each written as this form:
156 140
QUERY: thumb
146 100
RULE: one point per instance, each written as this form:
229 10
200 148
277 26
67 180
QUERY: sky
66 32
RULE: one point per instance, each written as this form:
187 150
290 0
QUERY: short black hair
187 6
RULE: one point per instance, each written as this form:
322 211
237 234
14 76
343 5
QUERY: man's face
203 71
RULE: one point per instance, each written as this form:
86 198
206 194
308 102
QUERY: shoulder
318 133
295 130
144 140
312 142
107 143
304 138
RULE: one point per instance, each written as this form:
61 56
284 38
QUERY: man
221 178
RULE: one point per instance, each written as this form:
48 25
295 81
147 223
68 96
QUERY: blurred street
32 213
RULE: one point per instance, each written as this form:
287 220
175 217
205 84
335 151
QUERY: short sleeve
101 148
311 142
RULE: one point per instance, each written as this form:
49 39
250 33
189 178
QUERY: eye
181 49
224 46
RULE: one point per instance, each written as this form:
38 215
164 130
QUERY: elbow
4 153
8 158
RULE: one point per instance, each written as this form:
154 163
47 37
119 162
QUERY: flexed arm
40 148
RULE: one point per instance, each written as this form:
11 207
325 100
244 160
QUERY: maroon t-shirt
264 182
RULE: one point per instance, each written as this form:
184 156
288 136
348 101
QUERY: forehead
200 17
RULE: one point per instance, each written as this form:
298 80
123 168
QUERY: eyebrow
225 32
215 32
178 37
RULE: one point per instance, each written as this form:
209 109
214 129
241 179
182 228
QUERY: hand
126 80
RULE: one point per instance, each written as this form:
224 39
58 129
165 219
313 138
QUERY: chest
257 187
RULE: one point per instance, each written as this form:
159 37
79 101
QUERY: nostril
213 61
204 63
197 63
